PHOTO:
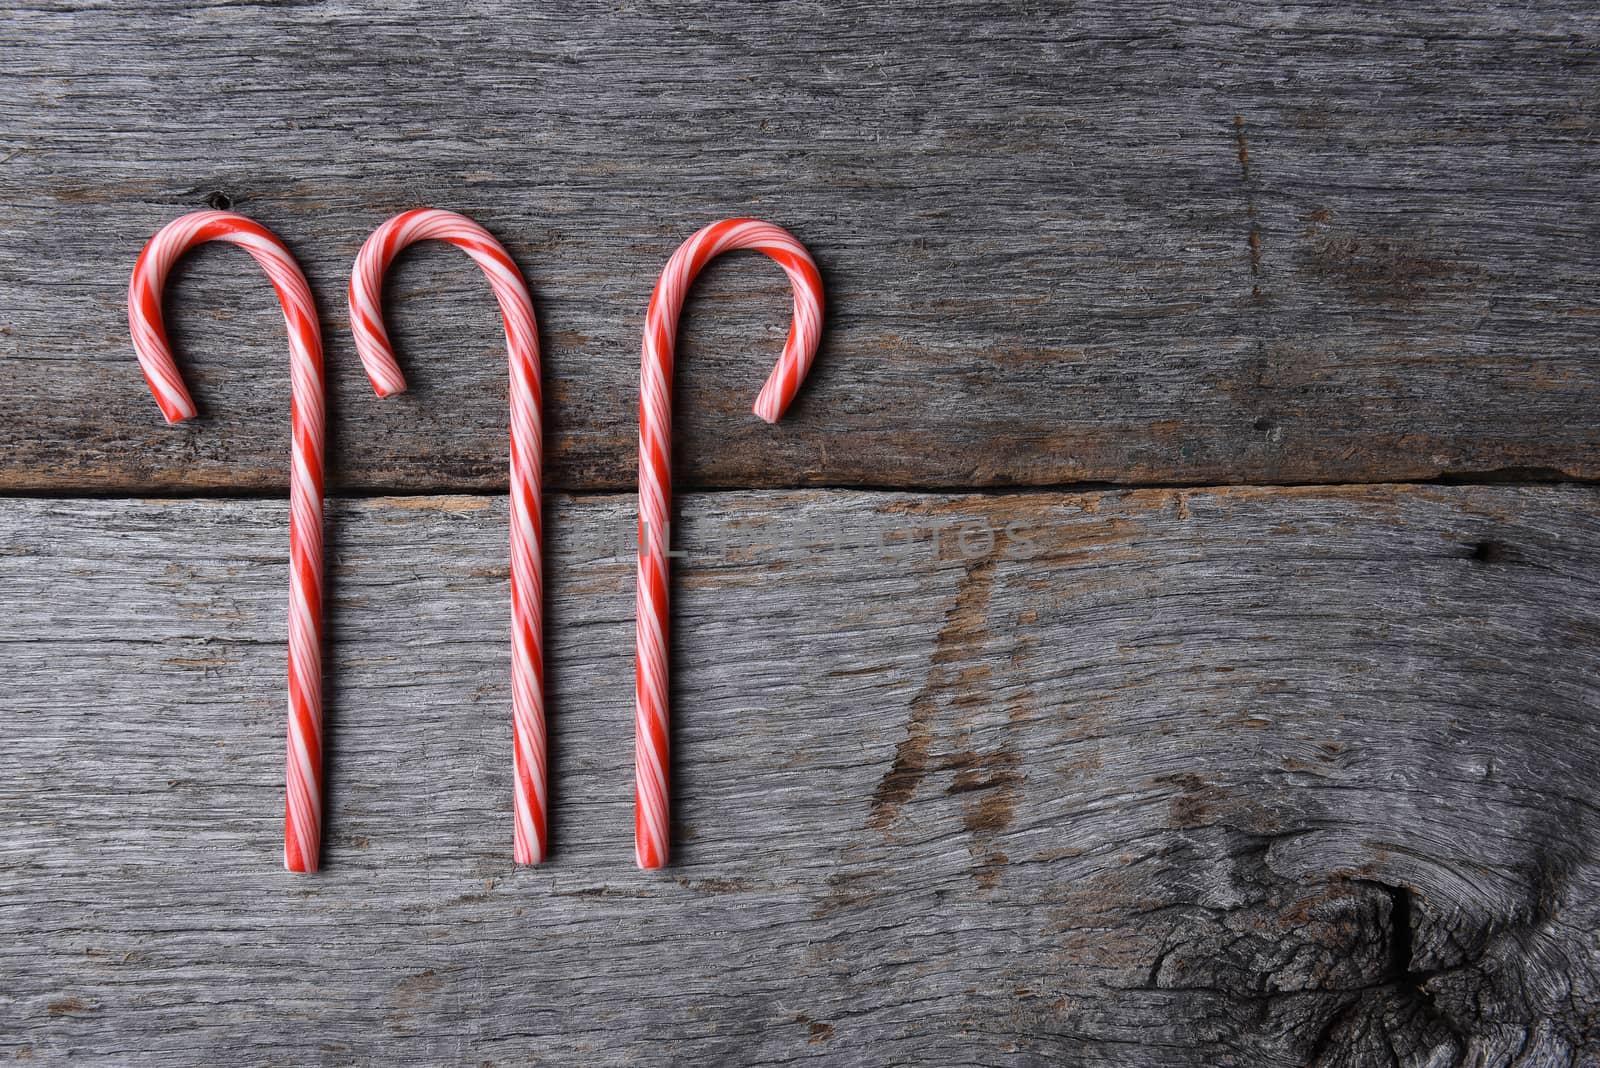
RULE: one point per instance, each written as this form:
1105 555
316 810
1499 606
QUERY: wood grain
1183 244
1253 777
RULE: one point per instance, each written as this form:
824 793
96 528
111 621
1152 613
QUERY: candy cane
302 824
522 343
650 837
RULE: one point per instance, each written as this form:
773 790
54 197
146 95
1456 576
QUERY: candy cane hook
522 344
650 821
302 825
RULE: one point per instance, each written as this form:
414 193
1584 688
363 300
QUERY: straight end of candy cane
302 847
297 864
648 853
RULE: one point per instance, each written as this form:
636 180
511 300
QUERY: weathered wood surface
1254 777
1238 777
1181 243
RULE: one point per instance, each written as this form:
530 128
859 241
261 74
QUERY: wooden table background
1265 732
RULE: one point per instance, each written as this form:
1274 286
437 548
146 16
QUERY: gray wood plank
1238 777
1185 244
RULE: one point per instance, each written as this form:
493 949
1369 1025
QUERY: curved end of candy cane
375 353
150 274
176 411
365 304
166 383
769 406
155 361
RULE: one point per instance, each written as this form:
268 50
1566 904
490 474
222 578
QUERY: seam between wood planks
1482 479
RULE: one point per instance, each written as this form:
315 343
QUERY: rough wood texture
1237 777
1253 777
1174 243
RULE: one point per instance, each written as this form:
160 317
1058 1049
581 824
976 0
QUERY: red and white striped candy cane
303 799
651 811
522 343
